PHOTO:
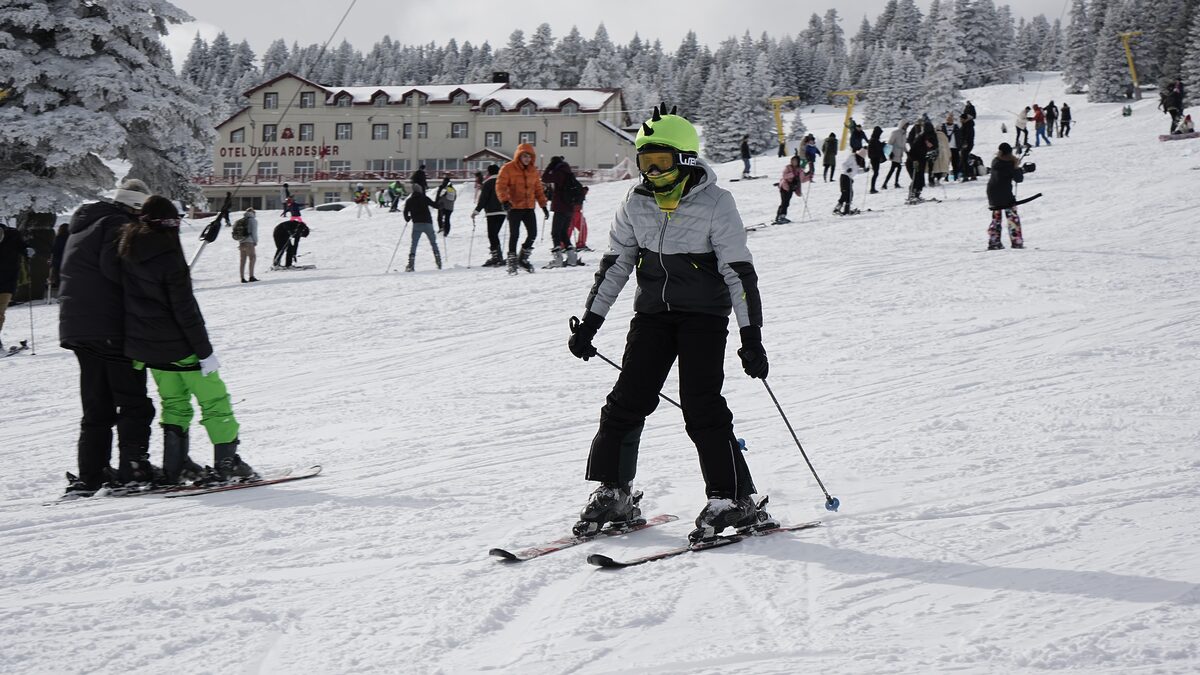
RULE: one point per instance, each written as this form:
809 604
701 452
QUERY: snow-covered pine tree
907 76
274 60
1050 57
1080 46
945 71
709 112
1005 32
905 28
196 64
1191 61
541 64
512 59
1172 19
1110 70
570 53
70 102
881 105
975 22
482 65
861 46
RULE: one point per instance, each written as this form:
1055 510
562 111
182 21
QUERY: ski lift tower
777 103
852 95
1125 37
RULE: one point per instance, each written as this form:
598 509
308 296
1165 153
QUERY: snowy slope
1013 436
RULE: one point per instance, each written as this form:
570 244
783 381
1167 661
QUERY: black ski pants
443 221
494 225
285 244
894 169
829 172
965 170
847 185
559 227
919 167
516 218
785 199
653 344
113 393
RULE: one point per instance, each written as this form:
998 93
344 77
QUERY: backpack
241 229
448 197
575 191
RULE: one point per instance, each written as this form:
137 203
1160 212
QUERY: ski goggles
662 161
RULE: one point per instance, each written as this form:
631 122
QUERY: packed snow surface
1013 436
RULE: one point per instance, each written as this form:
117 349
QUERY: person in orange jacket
519 188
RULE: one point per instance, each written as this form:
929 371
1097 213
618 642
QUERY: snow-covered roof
618 131
550 99
436 93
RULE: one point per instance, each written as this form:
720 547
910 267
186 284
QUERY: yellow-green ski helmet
670 130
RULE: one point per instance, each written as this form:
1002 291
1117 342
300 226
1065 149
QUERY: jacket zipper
662 235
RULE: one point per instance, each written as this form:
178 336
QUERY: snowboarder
829 150
896 139
416 210
362 197
91 323
287 237
165 332
564 191
745 151
490 206
1005 172
445 197
682 233
519 188
789 184
851 167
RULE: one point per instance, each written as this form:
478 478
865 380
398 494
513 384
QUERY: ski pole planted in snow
831 503
397 249
471 244
29 300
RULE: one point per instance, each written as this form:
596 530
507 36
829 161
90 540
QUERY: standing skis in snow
851 167
1005 172
683 235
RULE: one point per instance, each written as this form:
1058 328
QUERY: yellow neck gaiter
668 201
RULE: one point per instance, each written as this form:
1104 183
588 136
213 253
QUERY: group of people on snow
1171 102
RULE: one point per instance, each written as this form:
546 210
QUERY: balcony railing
585 175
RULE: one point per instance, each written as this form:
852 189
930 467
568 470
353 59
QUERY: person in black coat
745 151
966 143
875 155
857 137
416 211
1064 121
287 237
91 323
489 205
922 149
165 332
56 254
969 110
419 178
13 252
1006 171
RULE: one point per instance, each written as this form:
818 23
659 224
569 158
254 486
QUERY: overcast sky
308 21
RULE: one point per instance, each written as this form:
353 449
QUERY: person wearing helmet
683 235
362 197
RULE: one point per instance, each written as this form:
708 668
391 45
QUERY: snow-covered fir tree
1081 45
1190 71
570 53
907 76
542 66
1110 77
71 101
881 105
274 60
945 72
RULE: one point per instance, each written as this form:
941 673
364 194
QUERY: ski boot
411 266
178 467
609 503
511 263
77 488
229 466
437 260
495 260
523 261
741 514
556 259
573 258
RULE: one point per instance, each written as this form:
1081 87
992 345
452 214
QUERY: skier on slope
789 183
851 167
1006 170
683 235
829 148
489 204
287 237
896 139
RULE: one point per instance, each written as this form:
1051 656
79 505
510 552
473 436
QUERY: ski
567 542
15 349
311 472
721 540
923 200
735 180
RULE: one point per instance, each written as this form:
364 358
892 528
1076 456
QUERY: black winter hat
157 208
1005 149
493 169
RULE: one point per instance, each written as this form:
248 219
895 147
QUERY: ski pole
446 250
397 249
29 298
574 323
831 503
471 244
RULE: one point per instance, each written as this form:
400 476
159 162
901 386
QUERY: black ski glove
582 333
754 357
545 212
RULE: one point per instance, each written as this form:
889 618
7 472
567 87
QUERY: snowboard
1178 137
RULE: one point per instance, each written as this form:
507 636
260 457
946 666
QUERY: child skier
362 197
852 166
1005 172
164 331
416 210
682 233
789 184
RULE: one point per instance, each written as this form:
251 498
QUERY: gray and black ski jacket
695 260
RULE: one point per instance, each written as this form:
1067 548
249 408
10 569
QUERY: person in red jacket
519 188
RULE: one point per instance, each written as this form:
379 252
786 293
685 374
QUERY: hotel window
491 139
306 132
569 139
570 110
238 135
342 131
422 130
381 100
268 169
339 166
458 130
492 110
271 100
232 170
343 101
528 109
529 137
460 99
268 133
379 132
304 168
417 99
308 99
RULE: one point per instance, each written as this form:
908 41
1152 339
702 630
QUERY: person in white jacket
1022 126
852 166
896 139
